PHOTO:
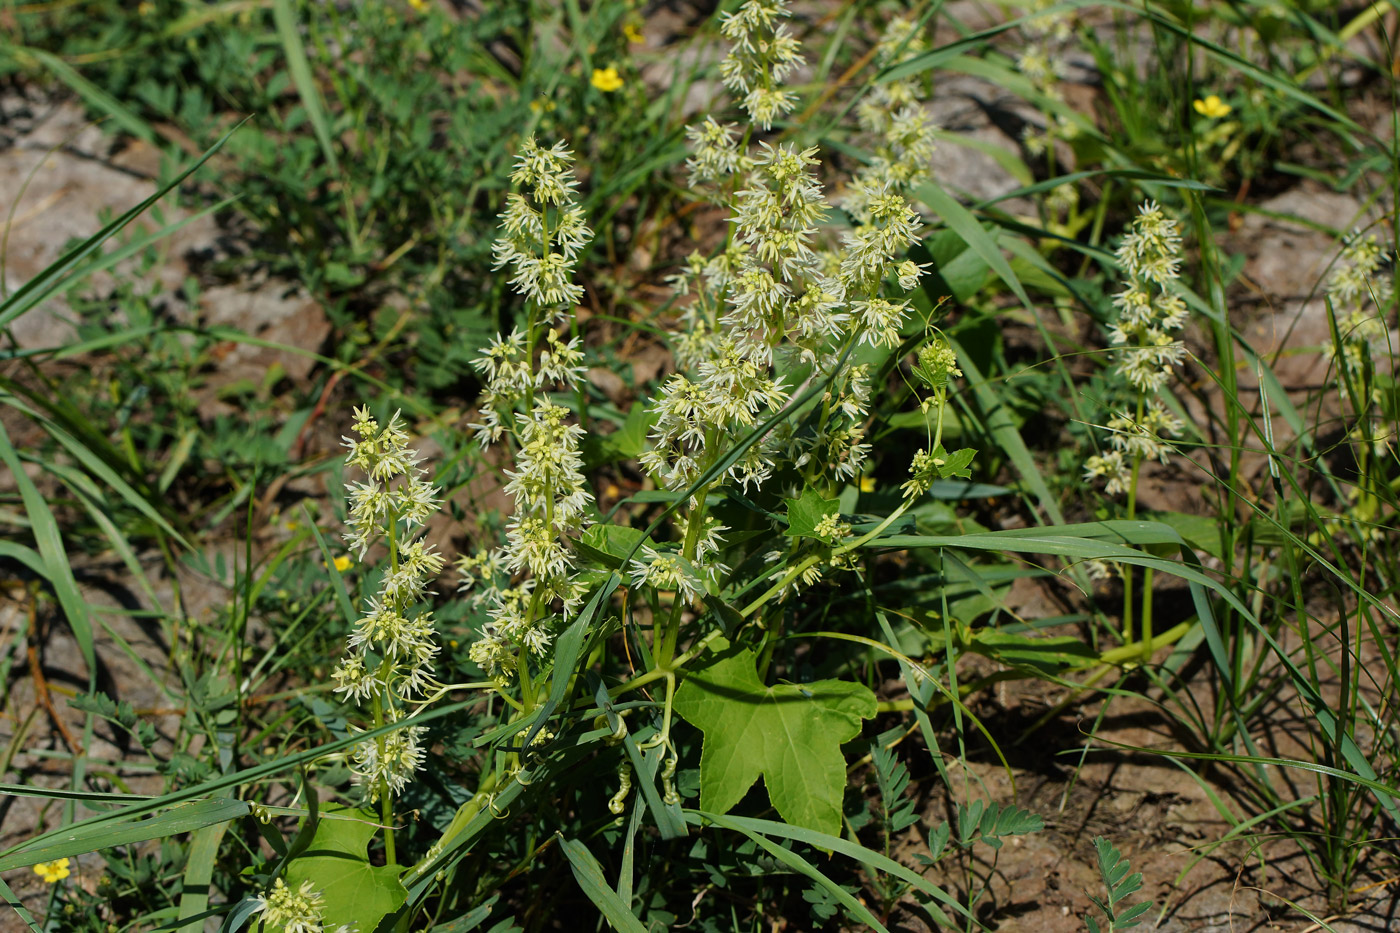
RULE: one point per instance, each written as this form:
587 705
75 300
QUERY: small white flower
662 571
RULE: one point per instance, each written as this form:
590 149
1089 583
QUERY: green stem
1127 622
664 736
386 803
667 649
527 686
1147 615
794 572
657 673
386 811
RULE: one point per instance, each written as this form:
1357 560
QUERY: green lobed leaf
611 546
807 511
955 464
337 865
789 734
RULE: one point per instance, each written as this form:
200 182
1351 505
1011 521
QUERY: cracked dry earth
57 173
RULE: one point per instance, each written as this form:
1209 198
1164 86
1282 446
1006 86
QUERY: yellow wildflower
867 484
342 563
633 34
1212 107
53 871
606 79
420 5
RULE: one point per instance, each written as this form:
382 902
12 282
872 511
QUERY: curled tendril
670 795
619 800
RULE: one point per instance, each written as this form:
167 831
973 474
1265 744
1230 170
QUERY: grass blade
78 839
589 875
55 556
871 859
799 864
199 871
96 98
53 278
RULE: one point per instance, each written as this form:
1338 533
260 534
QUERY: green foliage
788 734
892 778
336 862
1113 869
806 512
886 492
988 823
119 712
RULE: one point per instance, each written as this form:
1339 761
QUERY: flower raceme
293 911
763 53
543 232
1150 314
391 649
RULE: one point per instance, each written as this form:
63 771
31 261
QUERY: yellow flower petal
607 79
53 871
867 484
342 563
1212 107
633 34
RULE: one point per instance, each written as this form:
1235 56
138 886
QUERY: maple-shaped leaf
337 865
955 464
790 734
807 511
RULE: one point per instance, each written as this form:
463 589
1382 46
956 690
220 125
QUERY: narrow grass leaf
997 422
14 904
26 556
299 68
78 839
142 806
799 864
870 859
199 871
589 875
99 468
55 555
96 98
342 596
961 221
52 278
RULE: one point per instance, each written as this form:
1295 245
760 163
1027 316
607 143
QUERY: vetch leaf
790 734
